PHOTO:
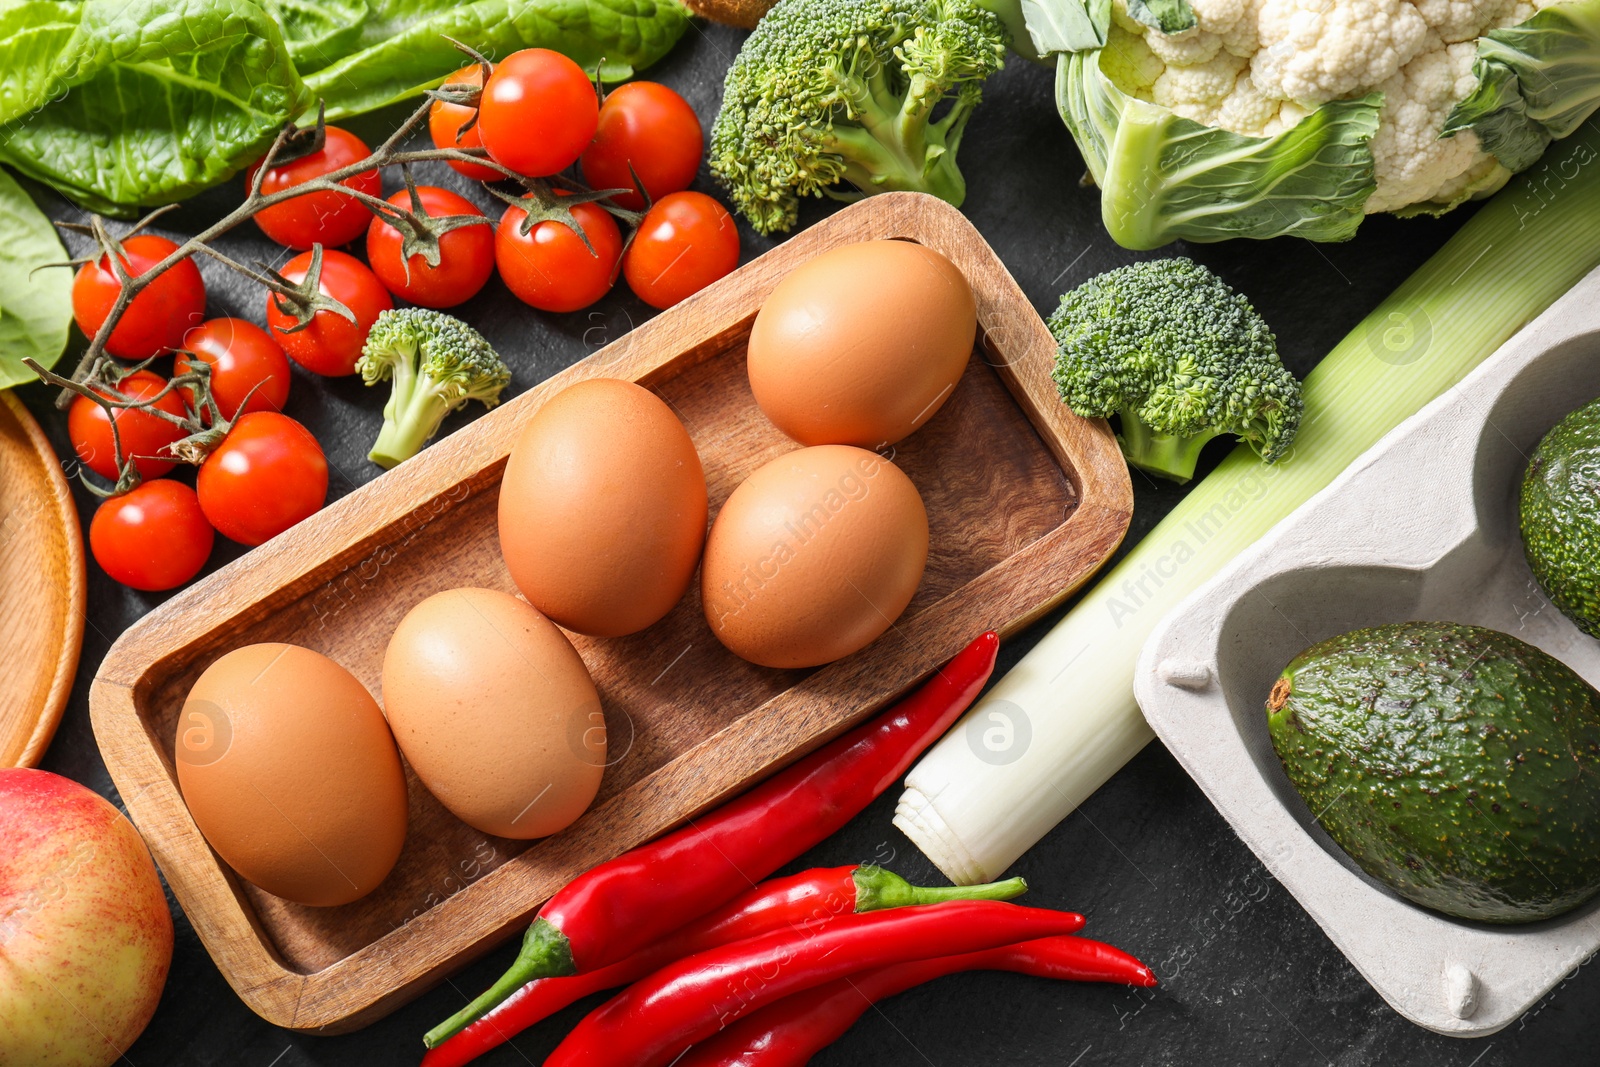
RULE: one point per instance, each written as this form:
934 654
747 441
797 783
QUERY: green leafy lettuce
35 305
319 31
123 104
144 101
407 51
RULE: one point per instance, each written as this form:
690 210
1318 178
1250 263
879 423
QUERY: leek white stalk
1063 720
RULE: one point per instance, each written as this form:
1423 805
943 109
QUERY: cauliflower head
1258 67
1204 120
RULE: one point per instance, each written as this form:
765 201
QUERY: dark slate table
1247 977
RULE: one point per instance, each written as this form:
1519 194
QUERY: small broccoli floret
1180 357
437 364
831 91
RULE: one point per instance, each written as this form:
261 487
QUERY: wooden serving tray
1025 500
41 587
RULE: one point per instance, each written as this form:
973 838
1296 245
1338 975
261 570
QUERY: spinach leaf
625 34
158 99
38 304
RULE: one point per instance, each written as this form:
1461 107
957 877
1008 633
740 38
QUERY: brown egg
495 712
814 556
603 508
291 774
863 344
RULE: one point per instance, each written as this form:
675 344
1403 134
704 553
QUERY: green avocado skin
1561 516
1456 765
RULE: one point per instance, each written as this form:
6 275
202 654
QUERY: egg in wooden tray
1019 501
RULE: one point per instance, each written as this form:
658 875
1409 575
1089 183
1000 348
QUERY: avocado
1456 765
1561 516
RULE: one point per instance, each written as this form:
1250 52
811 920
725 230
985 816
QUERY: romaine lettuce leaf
38 303
318 32
148 101
33 36
414 56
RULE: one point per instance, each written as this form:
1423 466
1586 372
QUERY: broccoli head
1180 357
832 91
437 364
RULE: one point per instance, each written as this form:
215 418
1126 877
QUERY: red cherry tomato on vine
267 475
152 538
332 343
466 254
156 319
242 357
326 218
538 112
444 126
653 128
549 268
685 242
143 435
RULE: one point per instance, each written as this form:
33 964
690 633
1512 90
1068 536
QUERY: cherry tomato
332 343
156 319
653 128
242 357
445 122
326 218
685 242
143 435
466 255
267 475
550 268
538 112
152 538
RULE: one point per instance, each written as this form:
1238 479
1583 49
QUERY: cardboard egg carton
1424 526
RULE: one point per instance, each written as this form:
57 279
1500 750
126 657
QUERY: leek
1064 719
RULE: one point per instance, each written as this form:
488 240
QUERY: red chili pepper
632 901
653 1021
783 903
793 1030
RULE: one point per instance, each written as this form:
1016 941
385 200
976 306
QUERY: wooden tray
1024 501
41 587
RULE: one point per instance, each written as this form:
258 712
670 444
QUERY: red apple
85 935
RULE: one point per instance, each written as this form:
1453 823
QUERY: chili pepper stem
877 888
546 953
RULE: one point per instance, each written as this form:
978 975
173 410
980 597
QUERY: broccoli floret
830 91
1180 357
437 363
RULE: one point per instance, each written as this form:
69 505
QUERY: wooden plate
1024 501
41 587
